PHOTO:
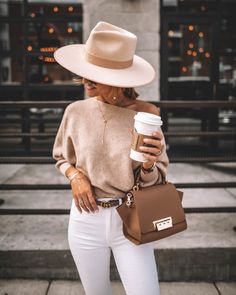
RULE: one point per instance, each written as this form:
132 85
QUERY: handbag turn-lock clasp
163 223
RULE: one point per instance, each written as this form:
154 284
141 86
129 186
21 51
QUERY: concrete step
61 199
62 287
36 246
177 173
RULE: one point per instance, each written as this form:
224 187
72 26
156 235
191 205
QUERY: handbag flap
158 202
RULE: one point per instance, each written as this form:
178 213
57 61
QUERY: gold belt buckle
106 204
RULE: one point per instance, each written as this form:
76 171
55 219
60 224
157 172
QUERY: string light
29 48
49 59
170 33
50 30
69 30
70 8
190 45
32 14
48 49
189 52
201 50
203 8
191 27
55 9
194 53
207 55
184 69
201 34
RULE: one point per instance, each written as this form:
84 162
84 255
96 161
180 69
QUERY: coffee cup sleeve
137 141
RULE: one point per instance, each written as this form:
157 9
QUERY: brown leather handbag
152 213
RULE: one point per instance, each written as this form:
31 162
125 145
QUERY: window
30 32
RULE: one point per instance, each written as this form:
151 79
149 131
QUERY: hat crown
111 43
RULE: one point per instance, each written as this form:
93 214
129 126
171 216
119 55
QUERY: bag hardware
129 202
163 223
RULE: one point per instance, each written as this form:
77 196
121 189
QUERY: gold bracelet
77 177
72 176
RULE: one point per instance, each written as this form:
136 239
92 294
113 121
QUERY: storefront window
189 56
189 50
30 32
227 65
198 50
190 5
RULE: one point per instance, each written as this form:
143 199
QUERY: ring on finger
158 153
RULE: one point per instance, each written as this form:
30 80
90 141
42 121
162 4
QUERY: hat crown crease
117 47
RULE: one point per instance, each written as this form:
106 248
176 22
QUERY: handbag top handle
137 175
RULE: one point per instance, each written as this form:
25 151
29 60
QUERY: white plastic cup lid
148 118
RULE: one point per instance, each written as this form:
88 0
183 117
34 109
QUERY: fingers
77 204
86 202
151 158
158 135
152 147
92 201
151 150
83 202
83 196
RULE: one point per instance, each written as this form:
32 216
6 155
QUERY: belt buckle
105 204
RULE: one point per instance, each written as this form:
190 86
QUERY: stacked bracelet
149 170
74 175
70 177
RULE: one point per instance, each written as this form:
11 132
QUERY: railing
165 106
27 119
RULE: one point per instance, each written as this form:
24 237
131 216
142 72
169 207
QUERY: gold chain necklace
104 120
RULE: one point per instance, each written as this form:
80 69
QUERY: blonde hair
130 93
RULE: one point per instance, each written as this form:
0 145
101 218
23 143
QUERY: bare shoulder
143 106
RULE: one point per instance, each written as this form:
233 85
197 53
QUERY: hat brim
72 58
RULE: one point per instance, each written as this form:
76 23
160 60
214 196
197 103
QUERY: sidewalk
36 246
62 287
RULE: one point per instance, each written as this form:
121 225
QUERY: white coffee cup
144 125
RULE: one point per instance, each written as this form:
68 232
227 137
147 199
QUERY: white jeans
91 238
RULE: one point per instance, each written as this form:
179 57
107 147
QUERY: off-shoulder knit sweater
108 165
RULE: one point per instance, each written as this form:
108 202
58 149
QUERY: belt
109 204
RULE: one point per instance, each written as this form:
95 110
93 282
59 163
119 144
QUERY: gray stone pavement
201 227
210 236
65 287
177 173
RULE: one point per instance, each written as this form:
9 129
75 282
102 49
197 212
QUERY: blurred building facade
190 43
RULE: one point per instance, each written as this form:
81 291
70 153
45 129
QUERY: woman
92 149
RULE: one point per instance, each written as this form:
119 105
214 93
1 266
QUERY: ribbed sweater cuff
63 167
151 176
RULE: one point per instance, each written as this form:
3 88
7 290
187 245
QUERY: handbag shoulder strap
137 175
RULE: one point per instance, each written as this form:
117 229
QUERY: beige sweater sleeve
63 150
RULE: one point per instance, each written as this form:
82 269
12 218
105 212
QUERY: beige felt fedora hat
107 58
